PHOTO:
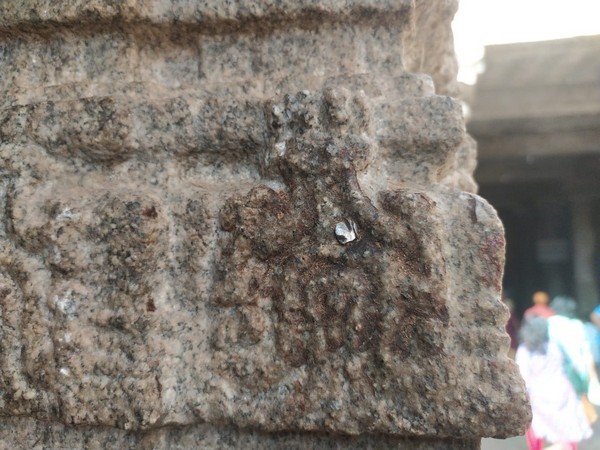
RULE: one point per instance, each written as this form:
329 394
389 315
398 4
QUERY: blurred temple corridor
535 113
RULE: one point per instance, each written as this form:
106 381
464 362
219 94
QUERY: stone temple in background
244 225
536 118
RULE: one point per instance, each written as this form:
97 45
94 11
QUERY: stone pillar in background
221 221
584 245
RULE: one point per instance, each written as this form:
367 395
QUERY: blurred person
569 334
540 306
595 316
593 329
558 415
592 334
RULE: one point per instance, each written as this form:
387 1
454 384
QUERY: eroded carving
195 231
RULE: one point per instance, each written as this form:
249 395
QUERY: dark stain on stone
158 385
150 306
323 300
473 209
491 251
150 212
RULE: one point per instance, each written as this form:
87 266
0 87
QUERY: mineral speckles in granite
228 220
346 231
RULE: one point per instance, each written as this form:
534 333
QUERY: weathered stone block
241 224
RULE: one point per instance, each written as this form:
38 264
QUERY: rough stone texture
27 433
173 174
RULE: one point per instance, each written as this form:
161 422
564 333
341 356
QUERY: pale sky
484 22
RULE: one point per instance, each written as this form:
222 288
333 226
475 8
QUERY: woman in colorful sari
558 414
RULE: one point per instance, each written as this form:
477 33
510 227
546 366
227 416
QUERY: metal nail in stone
345 231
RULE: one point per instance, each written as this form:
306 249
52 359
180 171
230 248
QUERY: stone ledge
37 16
28 434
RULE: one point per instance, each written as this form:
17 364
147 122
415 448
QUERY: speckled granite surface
218 216
36 435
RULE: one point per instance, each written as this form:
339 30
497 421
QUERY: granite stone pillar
244 225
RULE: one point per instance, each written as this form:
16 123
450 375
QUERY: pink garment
539 310
536 443
558 415
533 442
